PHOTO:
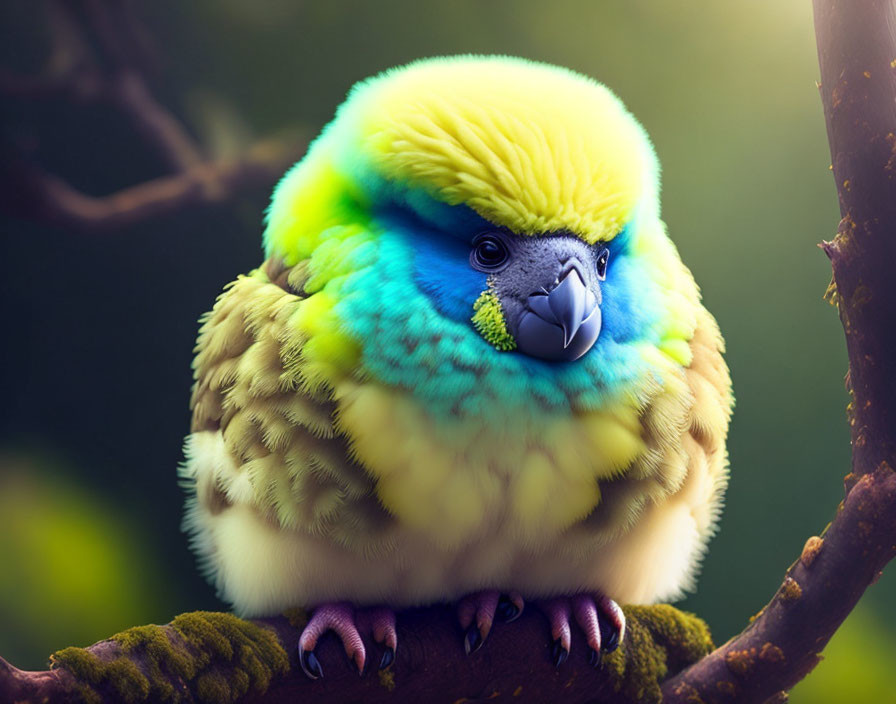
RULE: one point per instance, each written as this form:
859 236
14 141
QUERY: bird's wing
260 438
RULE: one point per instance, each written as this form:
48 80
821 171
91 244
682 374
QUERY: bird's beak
567 302
561 323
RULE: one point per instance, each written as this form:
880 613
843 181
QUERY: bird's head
476 227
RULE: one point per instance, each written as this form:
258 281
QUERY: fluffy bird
472 368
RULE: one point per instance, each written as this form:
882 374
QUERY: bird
471 368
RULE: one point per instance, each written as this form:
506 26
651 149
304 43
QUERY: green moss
217 657
80 662
202 656
212 687
121 678
387 679
125 681
159 652
659 641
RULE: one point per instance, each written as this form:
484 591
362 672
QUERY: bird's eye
602 260
489 253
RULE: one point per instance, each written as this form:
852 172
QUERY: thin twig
156 125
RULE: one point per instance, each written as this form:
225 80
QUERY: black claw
507 610
388 658
594 658
473 640
609 636
559 653
310 664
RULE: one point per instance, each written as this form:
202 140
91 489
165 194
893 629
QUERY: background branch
113 74
34 194
128 90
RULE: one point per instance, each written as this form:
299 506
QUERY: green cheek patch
488 319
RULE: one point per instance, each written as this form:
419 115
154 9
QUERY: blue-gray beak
562 323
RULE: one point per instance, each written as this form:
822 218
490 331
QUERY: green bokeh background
99 329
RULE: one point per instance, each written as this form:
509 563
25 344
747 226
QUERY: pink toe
339 618
585 611
485 613
466 611
479 607
557 611
382 622
517 600
612 612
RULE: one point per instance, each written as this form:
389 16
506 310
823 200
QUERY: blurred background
99 325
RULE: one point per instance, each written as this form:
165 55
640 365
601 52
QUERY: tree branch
128 89
213 657
782 644
857 56
114 75
34 194
857 53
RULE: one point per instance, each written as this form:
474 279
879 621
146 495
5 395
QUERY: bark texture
857 54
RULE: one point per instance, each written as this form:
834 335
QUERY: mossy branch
857 55
215 657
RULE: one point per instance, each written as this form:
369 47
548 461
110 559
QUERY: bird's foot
598 616
347 622
476 613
